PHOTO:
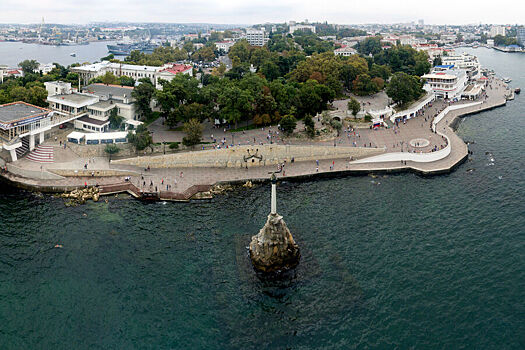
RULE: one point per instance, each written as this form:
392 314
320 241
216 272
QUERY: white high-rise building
497 30
521 36
256 37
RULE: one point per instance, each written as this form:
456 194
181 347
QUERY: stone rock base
274 248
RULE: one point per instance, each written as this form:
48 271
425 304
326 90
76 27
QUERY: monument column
273 210
273 248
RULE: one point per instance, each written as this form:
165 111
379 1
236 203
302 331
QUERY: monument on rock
273 248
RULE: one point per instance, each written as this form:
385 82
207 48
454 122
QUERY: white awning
76 135
106 135
133 122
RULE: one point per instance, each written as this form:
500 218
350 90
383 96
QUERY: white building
57 88
256 37
45 68
465 61
301 27
88 72
345 51
90 110
496 30
448 83
170 72
21 123
113 96
224 45
521 36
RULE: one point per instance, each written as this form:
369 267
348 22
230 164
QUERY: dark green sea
394 262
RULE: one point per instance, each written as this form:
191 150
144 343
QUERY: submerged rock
80 196
274 248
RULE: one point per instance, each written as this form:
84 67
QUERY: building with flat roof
169 73
256 37
447 83
57 88
301 27
88 72
20 122
224 45
464 61
520 35
497 30
345 51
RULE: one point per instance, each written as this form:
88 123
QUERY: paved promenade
176 181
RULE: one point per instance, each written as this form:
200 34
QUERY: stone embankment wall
32 174
126 150
98 173
242 156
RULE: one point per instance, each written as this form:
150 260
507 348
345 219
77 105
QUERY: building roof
438 76
107 135
74 99
86 119
177 68
18 111
105 90
103 105
76 135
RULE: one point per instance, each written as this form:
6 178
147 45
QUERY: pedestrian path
41 154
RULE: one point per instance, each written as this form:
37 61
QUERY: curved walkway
182 179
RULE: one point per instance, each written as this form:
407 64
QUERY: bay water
388 262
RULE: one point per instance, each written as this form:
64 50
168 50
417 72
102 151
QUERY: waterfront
397 261
12 53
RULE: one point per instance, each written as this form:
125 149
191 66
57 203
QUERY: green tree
288 124
354 106
336 125
37 95
188 46
109 78
111 149
28 66
437 61
143 95
193 130
369 46
240 50
404 88
115 120
235 103
363 85
126 81
309 125
141 138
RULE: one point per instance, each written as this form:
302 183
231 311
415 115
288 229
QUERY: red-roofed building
170 71
15 73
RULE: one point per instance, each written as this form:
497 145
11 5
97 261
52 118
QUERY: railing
162 195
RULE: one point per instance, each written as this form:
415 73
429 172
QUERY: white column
42 137
13 155
31 142
274 199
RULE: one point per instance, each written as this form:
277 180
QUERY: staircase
41 154
21 151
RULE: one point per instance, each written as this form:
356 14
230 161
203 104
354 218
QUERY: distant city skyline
258 11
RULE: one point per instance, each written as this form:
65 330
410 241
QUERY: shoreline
439 167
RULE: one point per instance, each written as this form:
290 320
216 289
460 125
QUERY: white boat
507 80
73 54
